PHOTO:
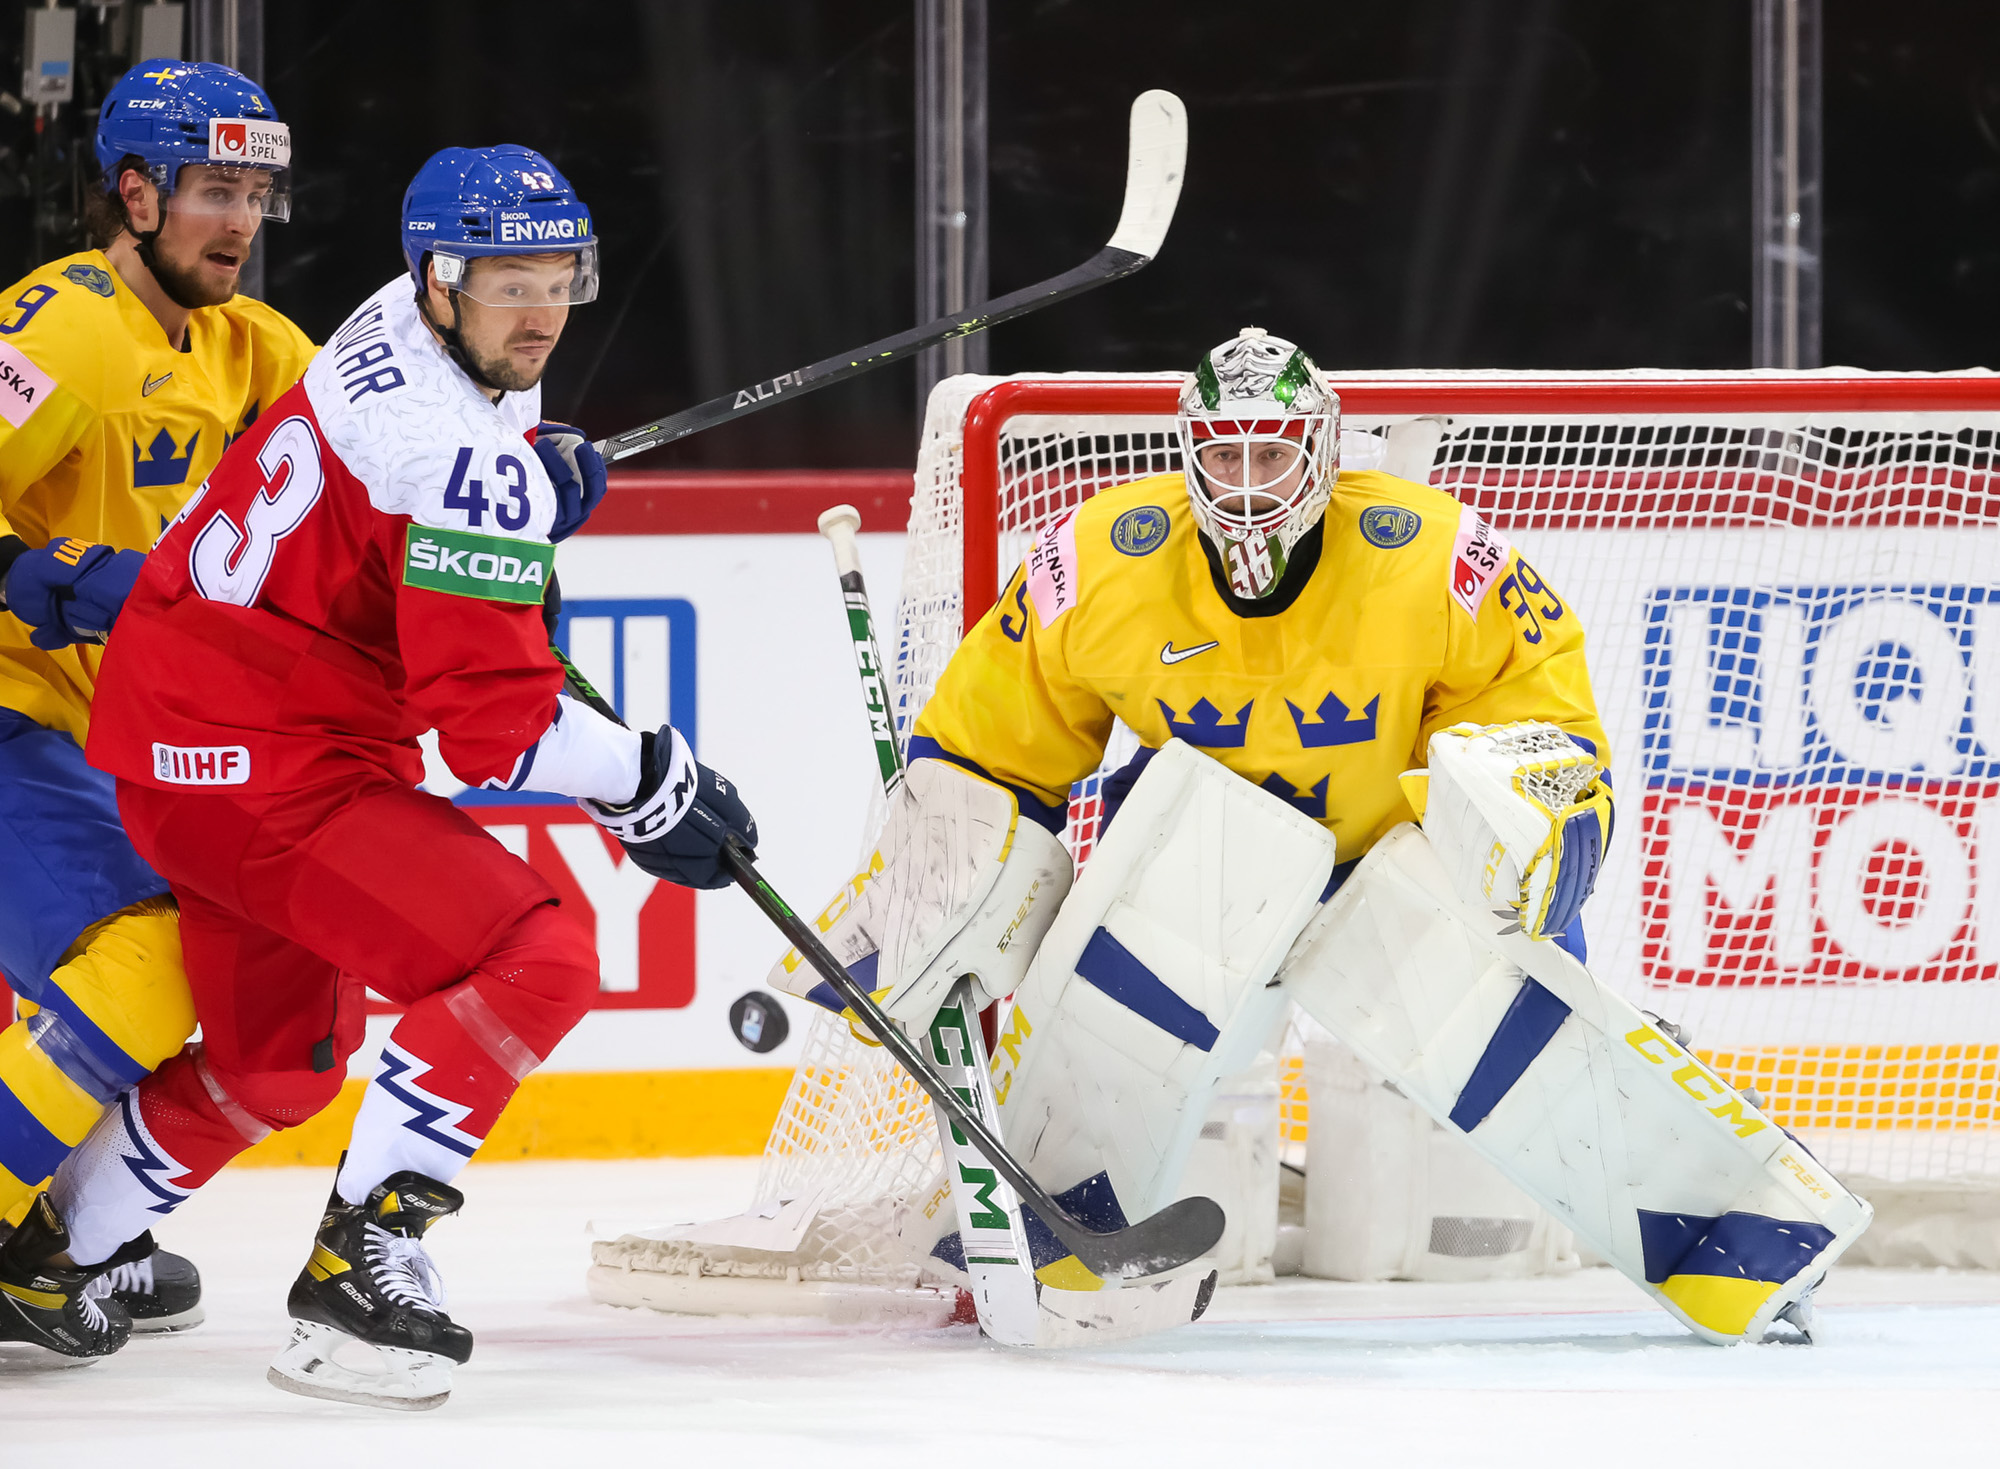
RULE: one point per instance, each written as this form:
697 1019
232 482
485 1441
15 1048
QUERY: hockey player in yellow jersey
1372 781
1310 629
124 373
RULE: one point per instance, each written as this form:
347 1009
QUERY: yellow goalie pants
115 1008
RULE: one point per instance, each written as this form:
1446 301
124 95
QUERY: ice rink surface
1570 1371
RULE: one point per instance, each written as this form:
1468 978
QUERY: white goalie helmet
1260 436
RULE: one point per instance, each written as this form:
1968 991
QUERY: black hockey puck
759 1022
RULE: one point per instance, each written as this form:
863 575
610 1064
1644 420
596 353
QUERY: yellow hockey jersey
1419 615
105 430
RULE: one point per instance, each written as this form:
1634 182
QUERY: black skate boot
49 1305
160 1291
370 1295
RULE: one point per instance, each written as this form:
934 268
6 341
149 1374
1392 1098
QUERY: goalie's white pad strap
1690 1191
958 885
1155 980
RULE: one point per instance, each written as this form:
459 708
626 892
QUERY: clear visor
217 192
562 278
1252 483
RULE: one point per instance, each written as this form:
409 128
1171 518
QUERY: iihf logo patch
1390 526
1141 532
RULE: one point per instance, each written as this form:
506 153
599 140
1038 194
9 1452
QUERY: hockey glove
68 591
576 469
1520 815
675 826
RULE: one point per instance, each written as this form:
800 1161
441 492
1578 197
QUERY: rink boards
1796 871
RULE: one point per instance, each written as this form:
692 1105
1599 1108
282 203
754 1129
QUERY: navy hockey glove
577 471
675 826
68 591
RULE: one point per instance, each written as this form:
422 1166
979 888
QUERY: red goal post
1786 581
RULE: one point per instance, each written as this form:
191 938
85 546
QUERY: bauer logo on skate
1822 777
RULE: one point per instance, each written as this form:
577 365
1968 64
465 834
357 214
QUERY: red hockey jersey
368 561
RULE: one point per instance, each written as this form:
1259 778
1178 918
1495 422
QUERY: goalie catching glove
675 825
1520 814
959 884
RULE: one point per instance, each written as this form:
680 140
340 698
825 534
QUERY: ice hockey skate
368 1318
160 1291
53 1306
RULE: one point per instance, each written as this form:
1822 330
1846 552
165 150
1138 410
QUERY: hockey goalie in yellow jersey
1371 780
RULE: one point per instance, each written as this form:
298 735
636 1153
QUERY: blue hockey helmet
172 113
468 203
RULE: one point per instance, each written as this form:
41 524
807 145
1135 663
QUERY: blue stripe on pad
28 1150
1092 1203
83 1032
863 972
50 1034
1524 1032
1744 1246
1112 967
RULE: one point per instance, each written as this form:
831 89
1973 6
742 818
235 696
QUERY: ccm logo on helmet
201 765
533 231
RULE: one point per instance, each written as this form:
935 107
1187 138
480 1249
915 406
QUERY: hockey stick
1154 168
993 1239
1183 1231
839 525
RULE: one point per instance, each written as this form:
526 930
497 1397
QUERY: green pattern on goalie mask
1208 384
1297 374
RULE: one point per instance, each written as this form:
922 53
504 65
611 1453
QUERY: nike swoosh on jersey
1171 654
153 383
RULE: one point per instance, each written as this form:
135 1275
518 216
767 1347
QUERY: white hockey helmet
1260 436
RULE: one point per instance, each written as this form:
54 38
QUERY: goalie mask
1260 435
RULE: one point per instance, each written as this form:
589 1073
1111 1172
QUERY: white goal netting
1791 586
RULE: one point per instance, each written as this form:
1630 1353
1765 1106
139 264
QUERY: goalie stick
839 525
1155 165
1185 1230
999 1262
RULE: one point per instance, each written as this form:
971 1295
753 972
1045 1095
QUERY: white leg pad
1642 1150
1156 980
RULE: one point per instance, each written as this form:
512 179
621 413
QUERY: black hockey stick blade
1183 1231
1154 168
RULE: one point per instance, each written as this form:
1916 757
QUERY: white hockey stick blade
1153 172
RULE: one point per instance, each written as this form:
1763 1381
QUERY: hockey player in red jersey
369 562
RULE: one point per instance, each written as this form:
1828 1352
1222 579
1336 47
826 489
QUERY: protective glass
216 191
566 278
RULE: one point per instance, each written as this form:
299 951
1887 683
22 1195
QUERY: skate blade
403 1380
186 1320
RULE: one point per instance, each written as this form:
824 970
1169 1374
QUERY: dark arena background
1667 324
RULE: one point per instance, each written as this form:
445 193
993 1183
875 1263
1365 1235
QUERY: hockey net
1791 586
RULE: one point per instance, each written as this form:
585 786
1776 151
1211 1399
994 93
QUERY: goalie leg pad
1689 1190
1156 980
958 886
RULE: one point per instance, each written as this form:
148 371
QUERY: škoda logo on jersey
466 564
1822 768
